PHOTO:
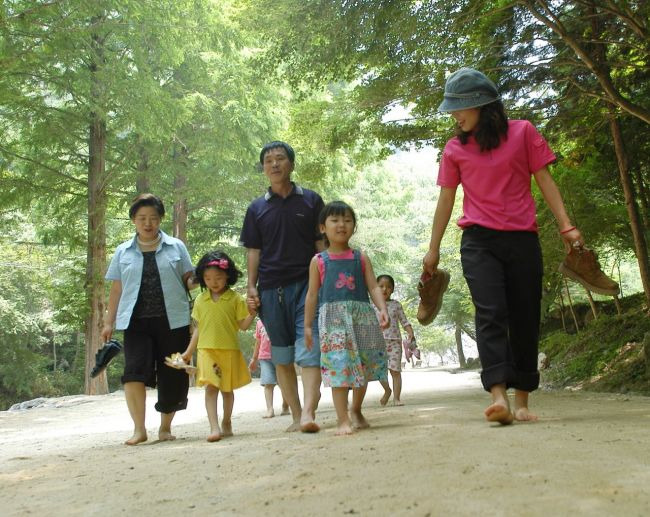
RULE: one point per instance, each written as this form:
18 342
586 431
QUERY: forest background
102 100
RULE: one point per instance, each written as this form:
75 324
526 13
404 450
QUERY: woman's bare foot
285 411
309 426
499 412
226 428
523 414
165 436
344 429
295 426
269 413
214 436
387 393
397 402
138 437
358 420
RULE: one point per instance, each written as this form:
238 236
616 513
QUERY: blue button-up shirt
173 261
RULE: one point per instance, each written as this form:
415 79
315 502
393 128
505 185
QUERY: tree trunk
97 203
142 184
180 208
640 245
459 347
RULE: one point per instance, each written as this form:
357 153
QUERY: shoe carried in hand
431 289
104 356
176 361
581 265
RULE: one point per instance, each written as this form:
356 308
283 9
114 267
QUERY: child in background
262 353
353 351
393 339
219 313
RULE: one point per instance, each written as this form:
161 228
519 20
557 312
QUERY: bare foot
523 414
358 420
226 427
295 426
269 413
285 411
499 412
214 437
309 427
344 429
387 393
397 402
138 437
165 436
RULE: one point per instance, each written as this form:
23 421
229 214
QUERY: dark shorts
283 315
147 342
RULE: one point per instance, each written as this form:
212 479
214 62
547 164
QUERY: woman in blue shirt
150 275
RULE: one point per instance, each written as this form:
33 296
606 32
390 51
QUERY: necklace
153 242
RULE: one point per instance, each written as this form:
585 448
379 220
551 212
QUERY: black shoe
104 356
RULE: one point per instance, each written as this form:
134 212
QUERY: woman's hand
572 238
107 332
430 261
187 356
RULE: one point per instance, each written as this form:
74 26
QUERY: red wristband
567 230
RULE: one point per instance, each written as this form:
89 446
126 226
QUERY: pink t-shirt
265 343
349 254
496 183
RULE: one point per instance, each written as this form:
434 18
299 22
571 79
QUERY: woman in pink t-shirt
493 158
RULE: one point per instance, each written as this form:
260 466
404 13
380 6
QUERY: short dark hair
335 208
390 279
492 127
228 267
291 154
146 200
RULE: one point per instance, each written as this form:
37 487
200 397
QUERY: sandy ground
588 455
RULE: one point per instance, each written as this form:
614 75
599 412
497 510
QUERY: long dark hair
492 127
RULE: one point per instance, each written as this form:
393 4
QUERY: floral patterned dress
353 350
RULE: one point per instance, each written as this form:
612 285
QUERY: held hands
430 261
384 319
252 300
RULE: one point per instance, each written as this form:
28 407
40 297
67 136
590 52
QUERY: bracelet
567 230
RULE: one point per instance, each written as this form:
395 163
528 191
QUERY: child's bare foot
165 435
387 393
397 402
269 413
499 412
285 411
523 414
226 428
358 420
344 429
138 437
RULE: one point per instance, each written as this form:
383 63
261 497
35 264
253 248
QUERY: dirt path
589 455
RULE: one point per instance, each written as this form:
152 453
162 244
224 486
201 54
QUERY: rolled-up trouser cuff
505 373
283 354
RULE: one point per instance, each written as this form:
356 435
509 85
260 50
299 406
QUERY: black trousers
504 275
147 342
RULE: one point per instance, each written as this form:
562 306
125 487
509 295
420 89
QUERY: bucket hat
468 88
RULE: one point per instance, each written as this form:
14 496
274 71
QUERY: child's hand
384 319
309 338
252 366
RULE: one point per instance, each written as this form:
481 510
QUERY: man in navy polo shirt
281 235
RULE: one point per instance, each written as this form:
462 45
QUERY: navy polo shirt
285 231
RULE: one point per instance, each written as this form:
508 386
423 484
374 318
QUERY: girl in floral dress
353 350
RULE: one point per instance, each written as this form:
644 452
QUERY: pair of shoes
104 356
176 361
581 264
431 289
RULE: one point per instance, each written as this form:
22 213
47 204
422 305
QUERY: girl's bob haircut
335 208
219 260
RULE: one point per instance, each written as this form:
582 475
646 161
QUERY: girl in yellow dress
219 313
